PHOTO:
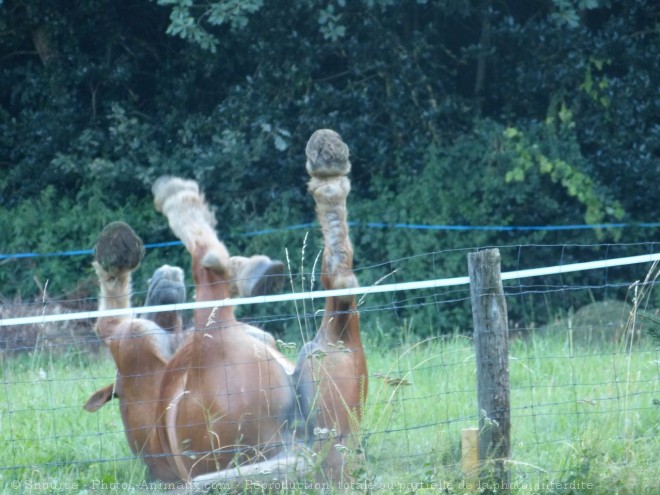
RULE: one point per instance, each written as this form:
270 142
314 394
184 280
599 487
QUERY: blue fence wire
376 225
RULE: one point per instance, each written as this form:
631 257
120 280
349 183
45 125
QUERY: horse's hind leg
216 274
193 222
331 370
254 276
328 165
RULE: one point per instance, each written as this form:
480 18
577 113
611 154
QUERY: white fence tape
405 286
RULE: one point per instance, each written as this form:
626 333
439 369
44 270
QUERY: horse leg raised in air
226 394
331 372
226 404
141 347
330 379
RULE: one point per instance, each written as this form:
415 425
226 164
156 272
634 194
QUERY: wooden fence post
470 452
491 340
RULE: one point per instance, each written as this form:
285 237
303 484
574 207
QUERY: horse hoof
214 261
327 155
118 248
165 187
268 279
166 286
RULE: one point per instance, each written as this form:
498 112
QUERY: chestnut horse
226 405
254 276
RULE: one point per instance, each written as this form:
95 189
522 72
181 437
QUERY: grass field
584 420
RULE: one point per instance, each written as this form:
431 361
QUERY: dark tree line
475 112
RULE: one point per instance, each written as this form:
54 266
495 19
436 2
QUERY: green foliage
98 100
596 71
594 86
568 12
528 157
53 224
329 24
185 25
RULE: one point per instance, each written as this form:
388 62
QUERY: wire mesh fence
584 375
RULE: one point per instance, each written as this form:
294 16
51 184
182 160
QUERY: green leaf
511 132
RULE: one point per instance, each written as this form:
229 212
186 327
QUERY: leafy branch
528 156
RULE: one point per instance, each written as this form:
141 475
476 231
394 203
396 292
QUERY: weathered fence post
491 334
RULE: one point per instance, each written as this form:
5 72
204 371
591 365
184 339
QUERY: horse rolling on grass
254 276
225 405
